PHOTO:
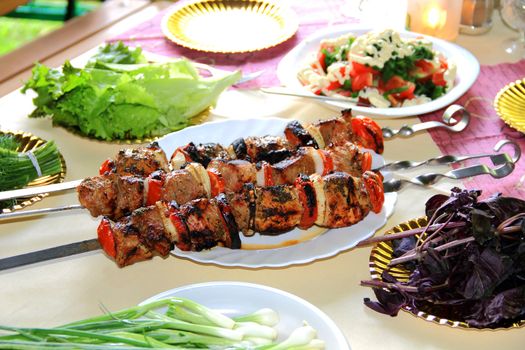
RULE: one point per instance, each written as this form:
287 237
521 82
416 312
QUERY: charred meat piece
277 209
153 234
204 153
342 200
128 246
286 171
234 173
206 225
98 194
242 205
267 148
348 158
335 131
130 195
141 161
298 136
182 187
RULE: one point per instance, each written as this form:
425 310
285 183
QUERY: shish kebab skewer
334 200
114 195
323 134
143 161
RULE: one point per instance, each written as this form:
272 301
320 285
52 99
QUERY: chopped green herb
395 91
347 85
429 89
422 52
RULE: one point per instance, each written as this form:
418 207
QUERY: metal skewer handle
450 159
455 119
505 166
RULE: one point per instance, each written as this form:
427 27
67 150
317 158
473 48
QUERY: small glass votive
476 16
438 18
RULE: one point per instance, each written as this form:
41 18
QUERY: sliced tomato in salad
438 78
358 69
359 82
399 88
423 69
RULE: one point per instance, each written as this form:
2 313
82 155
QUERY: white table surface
61 291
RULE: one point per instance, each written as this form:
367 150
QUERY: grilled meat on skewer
140 161
362 131
115 196
334 200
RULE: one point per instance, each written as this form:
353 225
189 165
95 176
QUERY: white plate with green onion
238 298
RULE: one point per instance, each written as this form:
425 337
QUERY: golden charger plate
230 26
510 104
29 142
381 256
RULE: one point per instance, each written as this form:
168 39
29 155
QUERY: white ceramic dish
299 56
237 298
274 254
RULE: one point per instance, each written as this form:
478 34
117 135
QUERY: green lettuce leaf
109 100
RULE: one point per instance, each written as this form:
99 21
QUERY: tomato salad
379 69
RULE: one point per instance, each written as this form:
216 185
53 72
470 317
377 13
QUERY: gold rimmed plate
230 26
510 105
30 142
381 256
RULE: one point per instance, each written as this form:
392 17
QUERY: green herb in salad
380 67
116 96
192 326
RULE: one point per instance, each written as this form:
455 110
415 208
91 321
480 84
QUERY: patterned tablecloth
481 135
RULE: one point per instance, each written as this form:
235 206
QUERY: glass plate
29 142
294 247
510 105
467 71
238 298
229 26
381 256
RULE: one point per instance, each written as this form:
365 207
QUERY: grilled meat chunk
141 161
268 148
277 209
343 206
286 171
154 236
128 246
242 205
130 195
298 136
347 157
234 173
98 194
181 186
206 225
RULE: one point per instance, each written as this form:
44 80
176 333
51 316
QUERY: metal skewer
455 119
504 168
35 212
32 191
450 159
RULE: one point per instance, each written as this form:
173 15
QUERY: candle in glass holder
438 18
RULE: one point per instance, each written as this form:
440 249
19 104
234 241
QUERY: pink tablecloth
482 134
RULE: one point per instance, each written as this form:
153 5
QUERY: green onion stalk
17 169
173 323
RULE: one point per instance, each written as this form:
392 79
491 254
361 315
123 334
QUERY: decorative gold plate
510 104
381 256
230 26
29 142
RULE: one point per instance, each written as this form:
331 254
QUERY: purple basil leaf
403 245
388 302
489 269
482 229
507 305
504 207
